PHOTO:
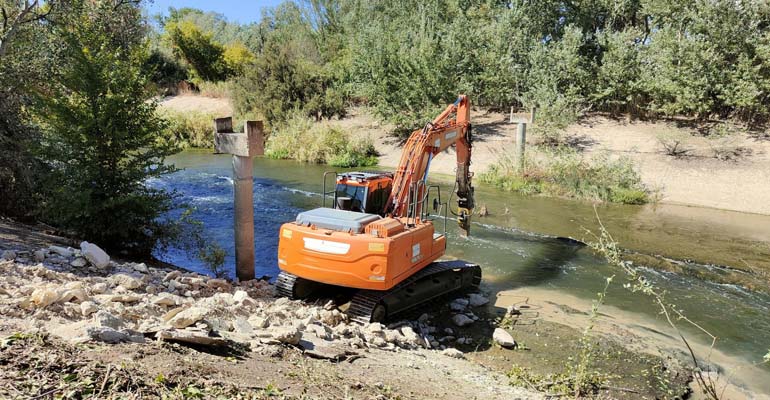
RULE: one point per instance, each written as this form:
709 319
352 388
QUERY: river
717 254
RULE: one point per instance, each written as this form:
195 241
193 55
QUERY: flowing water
517 244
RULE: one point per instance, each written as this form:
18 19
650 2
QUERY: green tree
198 49
100 132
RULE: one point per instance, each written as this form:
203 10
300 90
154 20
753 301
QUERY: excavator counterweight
377 238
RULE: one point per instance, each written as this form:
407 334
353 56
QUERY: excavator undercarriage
438 279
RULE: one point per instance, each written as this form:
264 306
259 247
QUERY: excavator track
284 284
435 280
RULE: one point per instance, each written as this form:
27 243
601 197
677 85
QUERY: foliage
100 132
164 70
302 140
564 172
199 50
187 129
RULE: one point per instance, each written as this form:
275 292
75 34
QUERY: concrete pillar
243 147
521 142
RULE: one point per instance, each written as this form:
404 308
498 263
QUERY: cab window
357 195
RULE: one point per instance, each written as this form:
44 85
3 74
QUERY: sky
235 10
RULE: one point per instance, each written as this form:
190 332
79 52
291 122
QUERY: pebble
452 352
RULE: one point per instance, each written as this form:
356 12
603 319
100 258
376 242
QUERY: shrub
303 140
564 172
199 50
188 129
219 90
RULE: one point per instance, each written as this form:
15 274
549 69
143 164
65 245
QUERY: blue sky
234 10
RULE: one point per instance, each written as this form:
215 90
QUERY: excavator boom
451 127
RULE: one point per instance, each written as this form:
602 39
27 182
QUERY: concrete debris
110 335
94 254
187 317
191 336
503 338
105 319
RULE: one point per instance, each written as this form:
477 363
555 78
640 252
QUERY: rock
452 352
241 325
503 338
109 335
449 331
140 267
99 288
88 307
43 297
259 322
242 298
120 298
95 255
166 299
461 320
511 310
458 304
73 290
62 251
423 318
104 319
191 336
172 275
323 349
79 262
374 327
410 337
125 280
39 255
477 300
8 255
286 335
218 284
188 317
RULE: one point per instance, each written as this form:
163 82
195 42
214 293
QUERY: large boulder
94 254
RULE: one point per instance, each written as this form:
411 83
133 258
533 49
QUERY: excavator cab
365 192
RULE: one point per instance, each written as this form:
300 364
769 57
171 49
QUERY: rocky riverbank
69 302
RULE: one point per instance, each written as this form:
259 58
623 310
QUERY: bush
303 140
565 172
199 50
188 129
219 90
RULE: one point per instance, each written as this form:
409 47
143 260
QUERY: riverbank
186 332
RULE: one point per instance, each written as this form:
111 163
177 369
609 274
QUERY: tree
199 50
100 132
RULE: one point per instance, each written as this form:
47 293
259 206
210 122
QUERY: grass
303 140
565 172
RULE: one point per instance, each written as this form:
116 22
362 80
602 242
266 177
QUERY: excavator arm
451 127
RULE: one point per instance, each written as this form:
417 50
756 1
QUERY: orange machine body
389 252
375 236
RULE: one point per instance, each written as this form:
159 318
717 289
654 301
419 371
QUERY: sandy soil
192 103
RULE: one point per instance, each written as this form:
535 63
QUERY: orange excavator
377 240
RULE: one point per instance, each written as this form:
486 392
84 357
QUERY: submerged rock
477 300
